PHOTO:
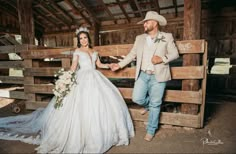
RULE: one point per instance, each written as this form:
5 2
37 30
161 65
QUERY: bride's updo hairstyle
83 30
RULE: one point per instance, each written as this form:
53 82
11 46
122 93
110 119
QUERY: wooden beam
134 8
168 118
187 72
9 2
123 10
139 9
176 8
84 4
9 30
12 79
9 12
12 94
170 7
184 47
156 3
107 10
48 53
96 28
31 105
52 13
191 97
11 64
15 48
26 21
192 17
46 72
58 8
37 13
75 10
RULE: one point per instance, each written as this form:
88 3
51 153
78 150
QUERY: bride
93 118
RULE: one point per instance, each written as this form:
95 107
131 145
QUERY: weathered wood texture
192 18
39 92
26 21
11 68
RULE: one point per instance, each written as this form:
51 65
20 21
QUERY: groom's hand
156 60
114 67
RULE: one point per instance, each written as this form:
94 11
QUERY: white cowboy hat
152 15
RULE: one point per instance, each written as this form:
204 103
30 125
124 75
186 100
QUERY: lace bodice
85 60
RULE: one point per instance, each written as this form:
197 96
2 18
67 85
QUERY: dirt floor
217 136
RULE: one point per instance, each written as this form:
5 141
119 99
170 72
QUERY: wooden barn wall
59 40
219 30
8 22
217 27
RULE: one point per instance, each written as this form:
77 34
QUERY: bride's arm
101 65
74 63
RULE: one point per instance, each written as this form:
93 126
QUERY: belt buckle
149 72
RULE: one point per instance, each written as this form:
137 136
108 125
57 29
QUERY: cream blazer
164 47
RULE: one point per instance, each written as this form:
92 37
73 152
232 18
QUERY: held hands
114 66
156 60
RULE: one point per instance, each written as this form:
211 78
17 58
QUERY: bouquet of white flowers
65 81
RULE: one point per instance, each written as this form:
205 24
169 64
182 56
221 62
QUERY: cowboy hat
152 15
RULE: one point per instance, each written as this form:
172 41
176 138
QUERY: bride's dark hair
89 39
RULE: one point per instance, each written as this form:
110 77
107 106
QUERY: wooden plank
11 64
177 119
28 63
126 92
15 48
11 79
188 72
203 86
30 96
39 88
113 50
48 71
30 105
17 94
187 46
191 97
12 94
48 53
190 46
124 73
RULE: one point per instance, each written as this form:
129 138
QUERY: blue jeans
148 92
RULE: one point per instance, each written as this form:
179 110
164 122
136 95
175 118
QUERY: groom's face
149 25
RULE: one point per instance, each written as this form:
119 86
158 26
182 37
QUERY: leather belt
149 72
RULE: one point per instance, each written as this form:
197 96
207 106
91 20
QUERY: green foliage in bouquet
63 85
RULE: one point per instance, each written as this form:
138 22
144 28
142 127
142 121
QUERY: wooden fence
11 71
40 66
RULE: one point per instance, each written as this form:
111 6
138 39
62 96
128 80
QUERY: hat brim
160 19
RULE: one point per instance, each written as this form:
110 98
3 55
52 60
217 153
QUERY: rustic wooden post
96 34
26 21
192 23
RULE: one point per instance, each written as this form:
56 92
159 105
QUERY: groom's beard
148 29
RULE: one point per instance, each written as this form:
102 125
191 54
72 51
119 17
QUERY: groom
154 50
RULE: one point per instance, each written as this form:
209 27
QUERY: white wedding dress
93 117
